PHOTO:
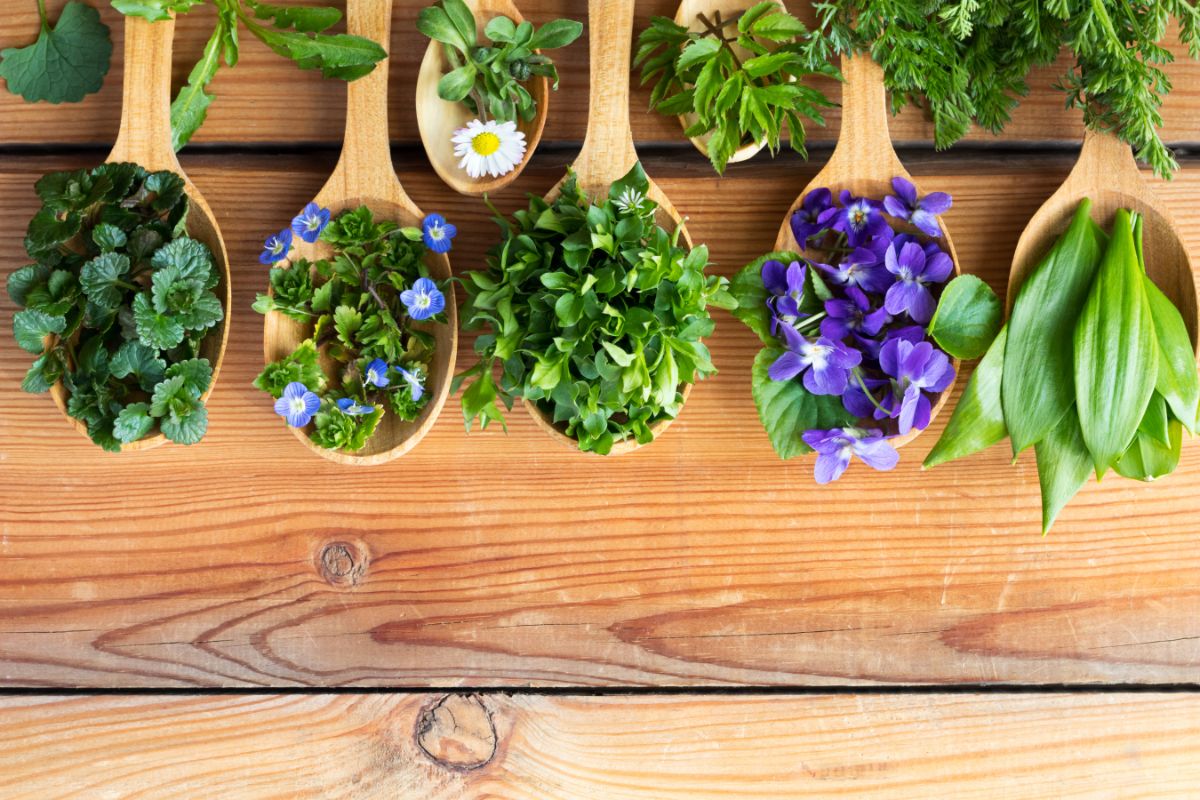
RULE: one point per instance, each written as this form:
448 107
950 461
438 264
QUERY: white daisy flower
491 148
630 201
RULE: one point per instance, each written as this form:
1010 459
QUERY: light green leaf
978 419
153 329
968 317
347 321
196 374
556 33
1176 380
1063 464
457 84
697 51
1147 458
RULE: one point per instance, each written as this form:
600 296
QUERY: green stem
42 14
806 322
862 383
129 286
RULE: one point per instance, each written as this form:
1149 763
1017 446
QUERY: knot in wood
342 563
457 732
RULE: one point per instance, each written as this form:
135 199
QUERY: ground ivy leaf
30 327
154 329
1063 464
196 373
978 420
67 62
133 422
135 358
787 409
968 317
101 279
188 428
1039 354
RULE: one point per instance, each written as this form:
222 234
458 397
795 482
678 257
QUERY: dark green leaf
67 62
155 330
30 327
787 409
135 358
133 423
102 279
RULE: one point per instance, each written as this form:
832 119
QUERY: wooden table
962 650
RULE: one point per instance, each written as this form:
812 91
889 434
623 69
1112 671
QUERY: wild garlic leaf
1116 350
978 420
1064 465
67 62
969 315
30 327
1147 458
1039 356
1177 380
787 409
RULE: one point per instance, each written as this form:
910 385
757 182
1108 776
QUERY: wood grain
502 560
266 99
582 748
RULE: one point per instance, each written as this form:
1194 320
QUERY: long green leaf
1177 380
1116 351
978 419
1148 459
1063 464
1038 357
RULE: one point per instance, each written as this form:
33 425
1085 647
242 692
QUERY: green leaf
1116 351
45 371
556 33
347 321
108 237
308 19
747 288
30 327
196 374
190 106
337 55
1176 380
978 420
302 366
133 422
698 51
777 27
135 358
1039 356
460 16
191 257
436 24
1148 459
457 84
188 428
500 29
156 330
787 409
67 62
154 10
479 402
1063 464
968 317
102 279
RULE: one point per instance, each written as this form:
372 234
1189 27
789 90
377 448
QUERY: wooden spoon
688 15
865 162
145 138
438 119
607 154
1107 173
364 175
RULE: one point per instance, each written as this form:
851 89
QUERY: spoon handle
864 145
608 145
1106 160
365 166
145 133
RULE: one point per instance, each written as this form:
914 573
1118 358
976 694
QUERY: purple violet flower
826 364
856 402
835 447
861 268
805 219
309 223
297 405
852 315
277 247
923 212
859 218
915 369
786 284
913 272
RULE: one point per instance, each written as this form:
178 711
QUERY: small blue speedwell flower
437 233
348 406
310 222
423 300
277 247
414 383
297 405
377 373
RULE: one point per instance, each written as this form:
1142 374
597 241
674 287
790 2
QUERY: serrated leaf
191 257
101 279
140 361
969 315
347 321
1063 464
30 327
66 63
133 423
196 374
697 51
21 281
108 237
156 330
786 409
978 420
186 429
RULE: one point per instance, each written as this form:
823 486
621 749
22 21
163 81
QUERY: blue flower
414 382
423 300
377 373
277 247
347 406
297 405
437 233
311 221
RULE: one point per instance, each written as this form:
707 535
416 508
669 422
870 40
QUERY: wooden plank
505 560
580 748
266 99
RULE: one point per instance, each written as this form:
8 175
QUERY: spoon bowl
607 156
864 162
144 138
715 11
364 175
1107 173
438 119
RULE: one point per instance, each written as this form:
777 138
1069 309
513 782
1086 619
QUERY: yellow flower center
485 143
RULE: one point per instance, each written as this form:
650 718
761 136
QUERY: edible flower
310 222
915 369
825 363
834 448
923 212
423 300
297 405
489 148
861 268
414 382
787 286
913 271
805 219
858 217
276 248
437 233
852 315
348 406
630 201
376 373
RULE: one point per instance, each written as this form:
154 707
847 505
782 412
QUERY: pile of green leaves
71 59
67 61
352 301
488 77
595 313
735 102
118 303
969 60
1094 369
